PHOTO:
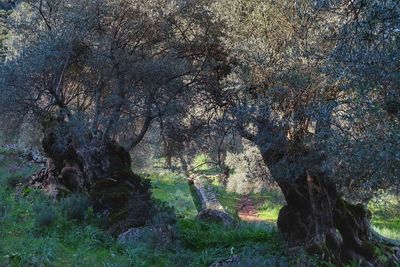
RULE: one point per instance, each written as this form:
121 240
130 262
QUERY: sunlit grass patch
174 190
270 215
388 232
386 215
272 201
388 227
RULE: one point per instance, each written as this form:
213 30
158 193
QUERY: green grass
23 242
385 210
272 200
69 243
64 242
228 200
268 202
270 215
174 190
386 215
201 165
199 235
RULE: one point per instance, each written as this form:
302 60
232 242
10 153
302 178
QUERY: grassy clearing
267 205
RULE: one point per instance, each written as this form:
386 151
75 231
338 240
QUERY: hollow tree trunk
85 163
318 218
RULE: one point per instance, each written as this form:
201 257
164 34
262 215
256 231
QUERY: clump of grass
45 214
75 207
269 214
200 235
256 256
12 180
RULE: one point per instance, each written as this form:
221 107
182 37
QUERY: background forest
199 133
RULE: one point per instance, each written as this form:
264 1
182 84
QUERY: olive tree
291 97
95 75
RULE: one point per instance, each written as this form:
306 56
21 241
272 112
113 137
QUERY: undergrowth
37 231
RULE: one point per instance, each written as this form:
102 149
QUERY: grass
174 190
385 210
23 242
199 235
272 200
268 202
386 215
67 242
228 200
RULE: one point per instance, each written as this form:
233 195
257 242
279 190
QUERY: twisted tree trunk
83 162
318 218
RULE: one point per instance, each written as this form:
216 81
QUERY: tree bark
168 160
317 217
84 163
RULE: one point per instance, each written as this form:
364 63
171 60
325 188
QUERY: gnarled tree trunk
318 217
85 163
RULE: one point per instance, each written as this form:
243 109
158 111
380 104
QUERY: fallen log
211 209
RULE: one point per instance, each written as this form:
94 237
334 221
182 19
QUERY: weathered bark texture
100 168
317 217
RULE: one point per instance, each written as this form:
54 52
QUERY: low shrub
161 231
45 215
75 207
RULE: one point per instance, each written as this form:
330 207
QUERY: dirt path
247 210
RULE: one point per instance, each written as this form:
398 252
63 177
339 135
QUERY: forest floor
34 231
247 210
